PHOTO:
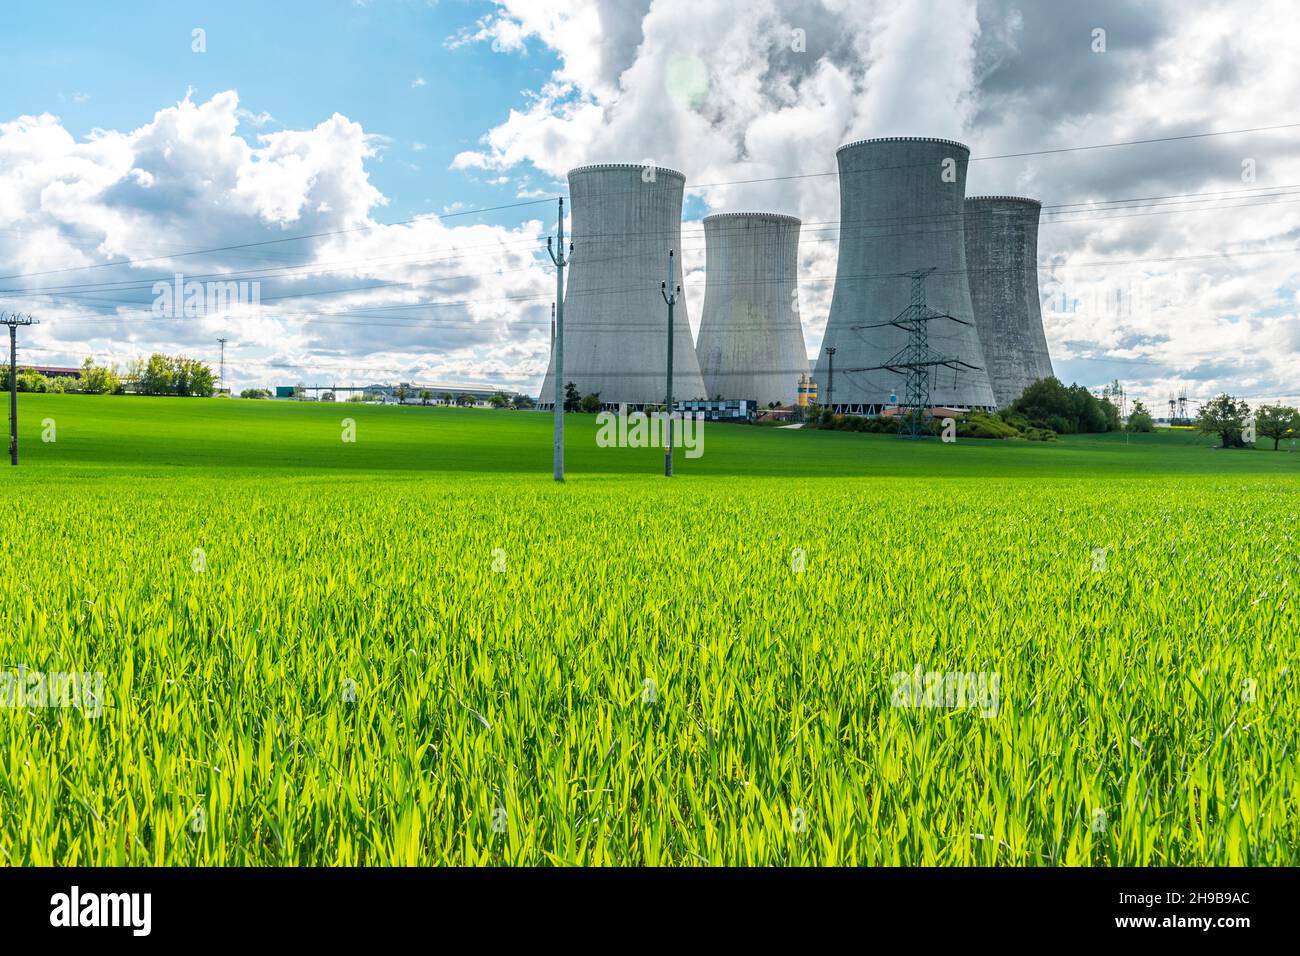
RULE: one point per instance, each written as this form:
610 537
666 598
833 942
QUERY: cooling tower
1002 268
900 211
751 339
626 217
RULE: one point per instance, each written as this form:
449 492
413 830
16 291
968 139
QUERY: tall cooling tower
900 211
751 339
1002 266
626 217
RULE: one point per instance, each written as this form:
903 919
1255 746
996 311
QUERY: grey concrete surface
901 208
751 339
1002 269
626 218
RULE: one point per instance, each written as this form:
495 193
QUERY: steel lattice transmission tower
915 359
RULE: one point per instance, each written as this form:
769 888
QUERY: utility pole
221 377
671 299
13 320
1123 410
560 262
830 378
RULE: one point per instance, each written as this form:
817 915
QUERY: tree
466 399
425 395
30 380
400 393
446 398
498 400
155 376
135 370
327 396
1048 403
202 381
192 377
1110 413
591 403
524 402
1140 420
1277 422
261 393
572 400
98 379
1091 413
1226 417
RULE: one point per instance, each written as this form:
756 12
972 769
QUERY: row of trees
402 393
171 375
574 401
1049 404
464 399
95 380
158 375
1066 410
1230 419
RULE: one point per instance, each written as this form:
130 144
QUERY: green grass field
418 649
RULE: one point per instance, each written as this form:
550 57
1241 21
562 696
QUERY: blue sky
115 65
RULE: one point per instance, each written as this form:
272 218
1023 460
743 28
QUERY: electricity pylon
915 359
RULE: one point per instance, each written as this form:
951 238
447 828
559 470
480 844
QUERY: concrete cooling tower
900 211
751 340
626 218
1002 268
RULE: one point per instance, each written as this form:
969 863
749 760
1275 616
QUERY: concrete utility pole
671 299
560 262
221 376
14 320
830 378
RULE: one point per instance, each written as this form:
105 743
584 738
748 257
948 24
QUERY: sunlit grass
649 680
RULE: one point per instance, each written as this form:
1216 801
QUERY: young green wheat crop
475 671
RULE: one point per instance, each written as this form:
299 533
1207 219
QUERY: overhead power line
545 199
270 242
806 238
362 311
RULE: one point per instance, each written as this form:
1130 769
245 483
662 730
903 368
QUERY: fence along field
328 661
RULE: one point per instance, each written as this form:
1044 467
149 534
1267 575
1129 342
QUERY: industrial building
626 219
720 410
1002 269
751 340
901 211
